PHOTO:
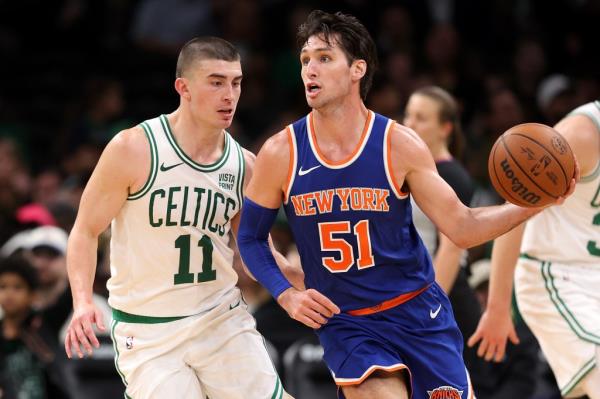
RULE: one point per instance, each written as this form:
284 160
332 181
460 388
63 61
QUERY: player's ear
181 85
359 69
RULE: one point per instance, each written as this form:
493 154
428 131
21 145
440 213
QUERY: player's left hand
309 307
493 330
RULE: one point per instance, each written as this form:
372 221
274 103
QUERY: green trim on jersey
137 319
596 121
576 379
278 392
153 164
184 157
112 335
241 174
527 256
563 309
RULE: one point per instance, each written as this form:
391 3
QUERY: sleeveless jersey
570 233
170 254
351 222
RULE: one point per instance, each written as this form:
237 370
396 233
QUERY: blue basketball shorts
419 336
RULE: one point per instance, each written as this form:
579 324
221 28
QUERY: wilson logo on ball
517 187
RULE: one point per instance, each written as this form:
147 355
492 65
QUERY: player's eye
325 58
304 61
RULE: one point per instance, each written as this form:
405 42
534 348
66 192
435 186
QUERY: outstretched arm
263 199
412 163
103 197
496 323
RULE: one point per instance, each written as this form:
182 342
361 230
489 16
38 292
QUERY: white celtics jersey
169 248
570 233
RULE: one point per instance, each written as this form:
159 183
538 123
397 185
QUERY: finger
90 334
500 352
83 341
308 322
514 338
323 300
75 343
482 347
489 354
315 316
100 320
319 308
68 344
474 339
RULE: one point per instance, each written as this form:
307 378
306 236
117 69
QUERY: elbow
461 240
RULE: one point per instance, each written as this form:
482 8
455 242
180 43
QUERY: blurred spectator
100 116
555 98
28 345
163 26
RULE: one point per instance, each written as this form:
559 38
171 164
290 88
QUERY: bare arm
266 189
292 273
466 227
496 324
103 197
446 262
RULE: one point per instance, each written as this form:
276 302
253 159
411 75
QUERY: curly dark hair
16 264
351 35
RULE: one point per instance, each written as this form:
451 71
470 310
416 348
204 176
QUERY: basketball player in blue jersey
554 260
172 187
344 175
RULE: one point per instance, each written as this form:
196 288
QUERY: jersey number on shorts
184 276
346 253
592 246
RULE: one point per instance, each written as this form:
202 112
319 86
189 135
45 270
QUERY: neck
341 122
201 142
11 325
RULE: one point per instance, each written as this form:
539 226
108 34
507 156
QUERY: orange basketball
531 165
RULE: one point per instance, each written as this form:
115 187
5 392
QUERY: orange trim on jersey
371 371
389 162
385 305
358 146
290 163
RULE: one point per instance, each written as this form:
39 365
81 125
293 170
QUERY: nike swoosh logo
433 314
236 305
164 168
307 171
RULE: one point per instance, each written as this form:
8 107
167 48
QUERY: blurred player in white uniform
557 277
172 187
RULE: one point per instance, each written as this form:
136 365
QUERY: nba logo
129 342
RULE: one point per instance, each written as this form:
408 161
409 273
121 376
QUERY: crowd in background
75 72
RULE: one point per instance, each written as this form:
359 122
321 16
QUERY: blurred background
75 72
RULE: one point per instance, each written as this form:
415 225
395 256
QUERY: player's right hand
309 307
80 332
493 330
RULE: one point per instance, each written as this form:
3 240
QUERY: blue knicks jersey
352 224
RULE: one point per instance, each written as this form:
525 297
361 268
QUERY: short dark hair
16 264
449 112
205 48
353 38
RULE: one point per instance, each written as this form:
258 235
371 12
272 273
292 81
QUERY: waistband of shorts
119 315
390 303
525 255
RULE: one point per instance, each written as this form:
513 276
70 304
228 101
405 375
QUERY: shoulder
277 147
583 136
406 147
128 154
132 141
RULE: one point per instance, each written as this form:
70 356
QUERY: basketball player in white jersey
172 187
557 277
